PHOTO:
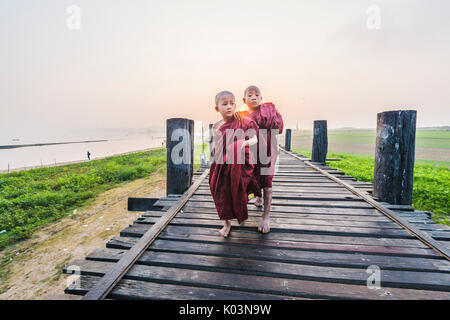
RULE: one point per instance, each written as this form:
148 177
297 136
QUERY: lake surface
119 141
33 156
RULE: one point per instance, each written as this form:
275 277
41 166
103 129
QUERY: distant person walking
89 155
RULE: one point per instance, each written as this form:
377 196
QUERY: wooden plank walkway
322 240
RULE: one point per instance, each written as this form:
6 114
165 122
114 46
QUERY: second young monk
268 119
232 177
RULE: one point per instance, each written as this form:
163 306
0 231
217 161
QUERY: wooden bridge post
320 141
287 144
180 154
394 156
210 142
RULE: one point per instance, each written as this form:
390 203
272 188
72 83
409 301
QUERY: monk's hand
239 115
244 144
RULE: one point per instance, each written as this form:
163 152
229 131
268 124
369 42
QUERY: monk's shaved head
254 88
222 94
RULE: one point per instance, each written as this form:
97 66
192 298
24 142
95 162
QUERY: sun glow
241 108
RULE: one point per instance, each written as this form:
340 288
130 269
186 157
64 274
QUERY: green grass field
29 199
431 180
424 138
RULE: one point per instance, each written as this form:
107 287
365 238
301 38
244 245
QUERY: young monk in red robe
269 122
232 178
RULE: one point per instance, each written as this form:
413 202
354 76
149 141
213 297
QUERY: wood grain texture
394 156
105 285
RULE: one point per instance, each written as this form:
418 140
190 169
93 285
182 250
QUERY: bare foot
225 230
265 226
258 202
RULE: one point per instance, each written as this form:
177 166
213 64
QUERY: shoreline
58 164
15 146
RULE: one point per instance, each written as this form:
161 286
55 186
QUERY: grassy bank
424 138
431 180
29 199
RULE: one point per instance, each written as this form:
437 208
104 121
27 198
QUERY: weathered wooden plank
129 289
166 202
293 201
304 184
205 195
127 242
308 189
296 180
396 207
137 230
142 204
300 191
389 278
295 175
292 228
287 221
207 213
307 203
301 172
305 257
297 228
308 177
190 206
239 283
430 227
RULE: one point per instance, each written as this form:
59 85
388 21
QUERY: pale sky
137 63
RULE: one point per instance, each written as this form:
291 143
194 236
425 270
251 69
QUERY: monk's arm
252 139
250 142
277 121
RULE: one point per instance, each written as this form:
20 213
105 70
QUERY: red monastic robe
267 117
231 183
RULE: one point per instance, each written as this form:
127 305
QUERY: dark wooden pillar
394 156
211 135
320 141
180 154
287 144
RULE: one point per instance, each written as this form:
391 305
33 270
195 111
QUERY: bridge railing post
211 135
394 156
180 154
287 143
320 141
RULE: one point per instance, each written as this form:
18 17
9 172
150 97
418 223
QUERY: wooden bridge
326 242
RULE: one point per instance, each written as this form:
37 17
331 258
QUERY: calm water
33 156
118 142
